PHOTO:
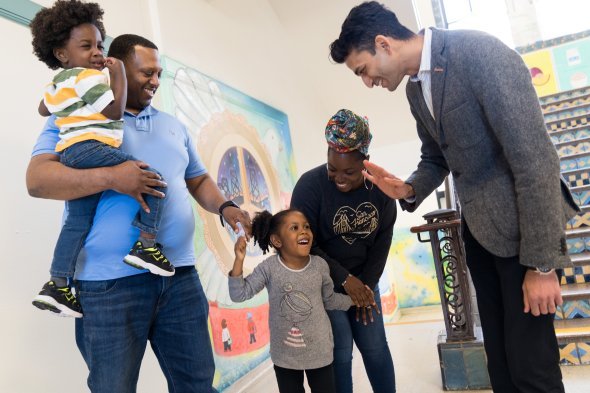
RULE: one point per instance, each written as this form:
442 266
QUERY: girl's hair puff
265 224
51 27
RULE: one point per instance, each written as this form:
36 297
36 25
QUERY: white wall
273 50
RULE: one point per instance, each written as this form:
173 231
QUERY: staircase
567 116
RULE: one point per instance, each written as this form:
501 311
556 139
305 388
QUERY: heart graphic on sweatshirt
357 223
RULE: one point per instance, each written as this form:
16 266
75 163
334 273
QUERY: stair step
561 114
553 107
563 96
580 188
574 156
566 130
565 174
580 259
572 329
575 291
573 142
578 232
570 123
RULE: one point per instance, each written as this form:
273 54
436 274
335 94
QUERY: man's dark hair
51 27
362 25
124 46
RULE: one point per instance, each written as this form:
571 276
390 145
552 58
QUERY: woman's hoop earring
367 187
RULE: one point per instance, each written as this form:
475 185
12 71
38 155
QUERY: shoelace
67 293
155 251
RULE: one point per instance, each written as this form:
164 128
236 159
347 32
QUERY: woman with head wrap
352 222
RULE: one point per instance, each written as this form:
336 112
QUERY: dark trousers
522 350
320 380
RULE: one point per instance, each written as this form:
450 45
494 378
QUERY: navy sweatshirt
352 230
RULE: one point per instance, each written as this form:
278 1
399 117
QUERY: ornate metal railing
451 271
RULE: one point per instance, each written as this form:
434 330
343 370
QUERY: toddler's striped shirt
77 96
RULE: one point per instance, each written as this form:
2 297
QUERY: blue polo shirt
164 143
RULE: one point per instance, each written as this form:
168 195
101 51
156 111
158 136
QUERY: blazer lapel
438 72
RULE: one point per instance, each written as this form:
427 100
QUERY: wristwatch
542 270
223 206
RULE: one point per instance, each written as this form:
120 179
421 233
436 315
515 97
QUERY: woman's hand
362 312
360 294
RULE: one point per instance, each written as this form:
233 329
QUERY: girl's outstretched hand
240 248
240 251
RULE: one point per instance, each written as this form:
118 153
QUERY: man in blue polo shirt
123 306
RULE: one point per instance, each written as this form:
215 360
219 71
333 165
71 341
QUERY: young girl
299 291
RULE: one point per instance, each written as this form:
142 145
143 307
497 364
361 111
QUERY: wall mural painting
246 146
559 64
413 270
572 62
540 64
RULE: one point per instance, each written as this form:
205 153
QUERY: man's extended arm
210 198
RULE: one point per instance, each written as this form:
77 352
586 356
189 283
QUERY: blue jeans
372 344
121 315
84 155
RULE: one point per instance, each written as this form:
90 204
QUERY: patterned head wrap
347 131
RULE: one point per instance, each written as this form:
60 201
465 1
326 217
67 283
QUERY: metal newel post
451 271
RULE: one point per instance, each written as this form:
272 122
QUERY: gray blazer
490 133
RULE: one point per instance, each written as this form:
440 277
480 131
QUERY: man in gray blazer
478 117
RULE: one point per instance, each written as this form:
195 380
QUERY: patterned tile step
568 124
578 241
576 275
577 245
582 198
582 219
573 309
568 354
564 96
577 179
573 148
575 161
573 337
570 135
571 102
567 113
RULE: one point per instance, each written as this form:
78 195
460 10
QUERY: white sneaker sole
49 303
141 264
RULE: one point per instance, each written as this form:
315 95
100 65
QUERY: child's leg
149 222
73 234
82 155
321 380
289 381
55 294
146 253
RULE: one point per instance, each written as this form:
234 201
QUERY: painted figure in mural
353 226
89 115
251 328
299 292
170 312
225 336
478 117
